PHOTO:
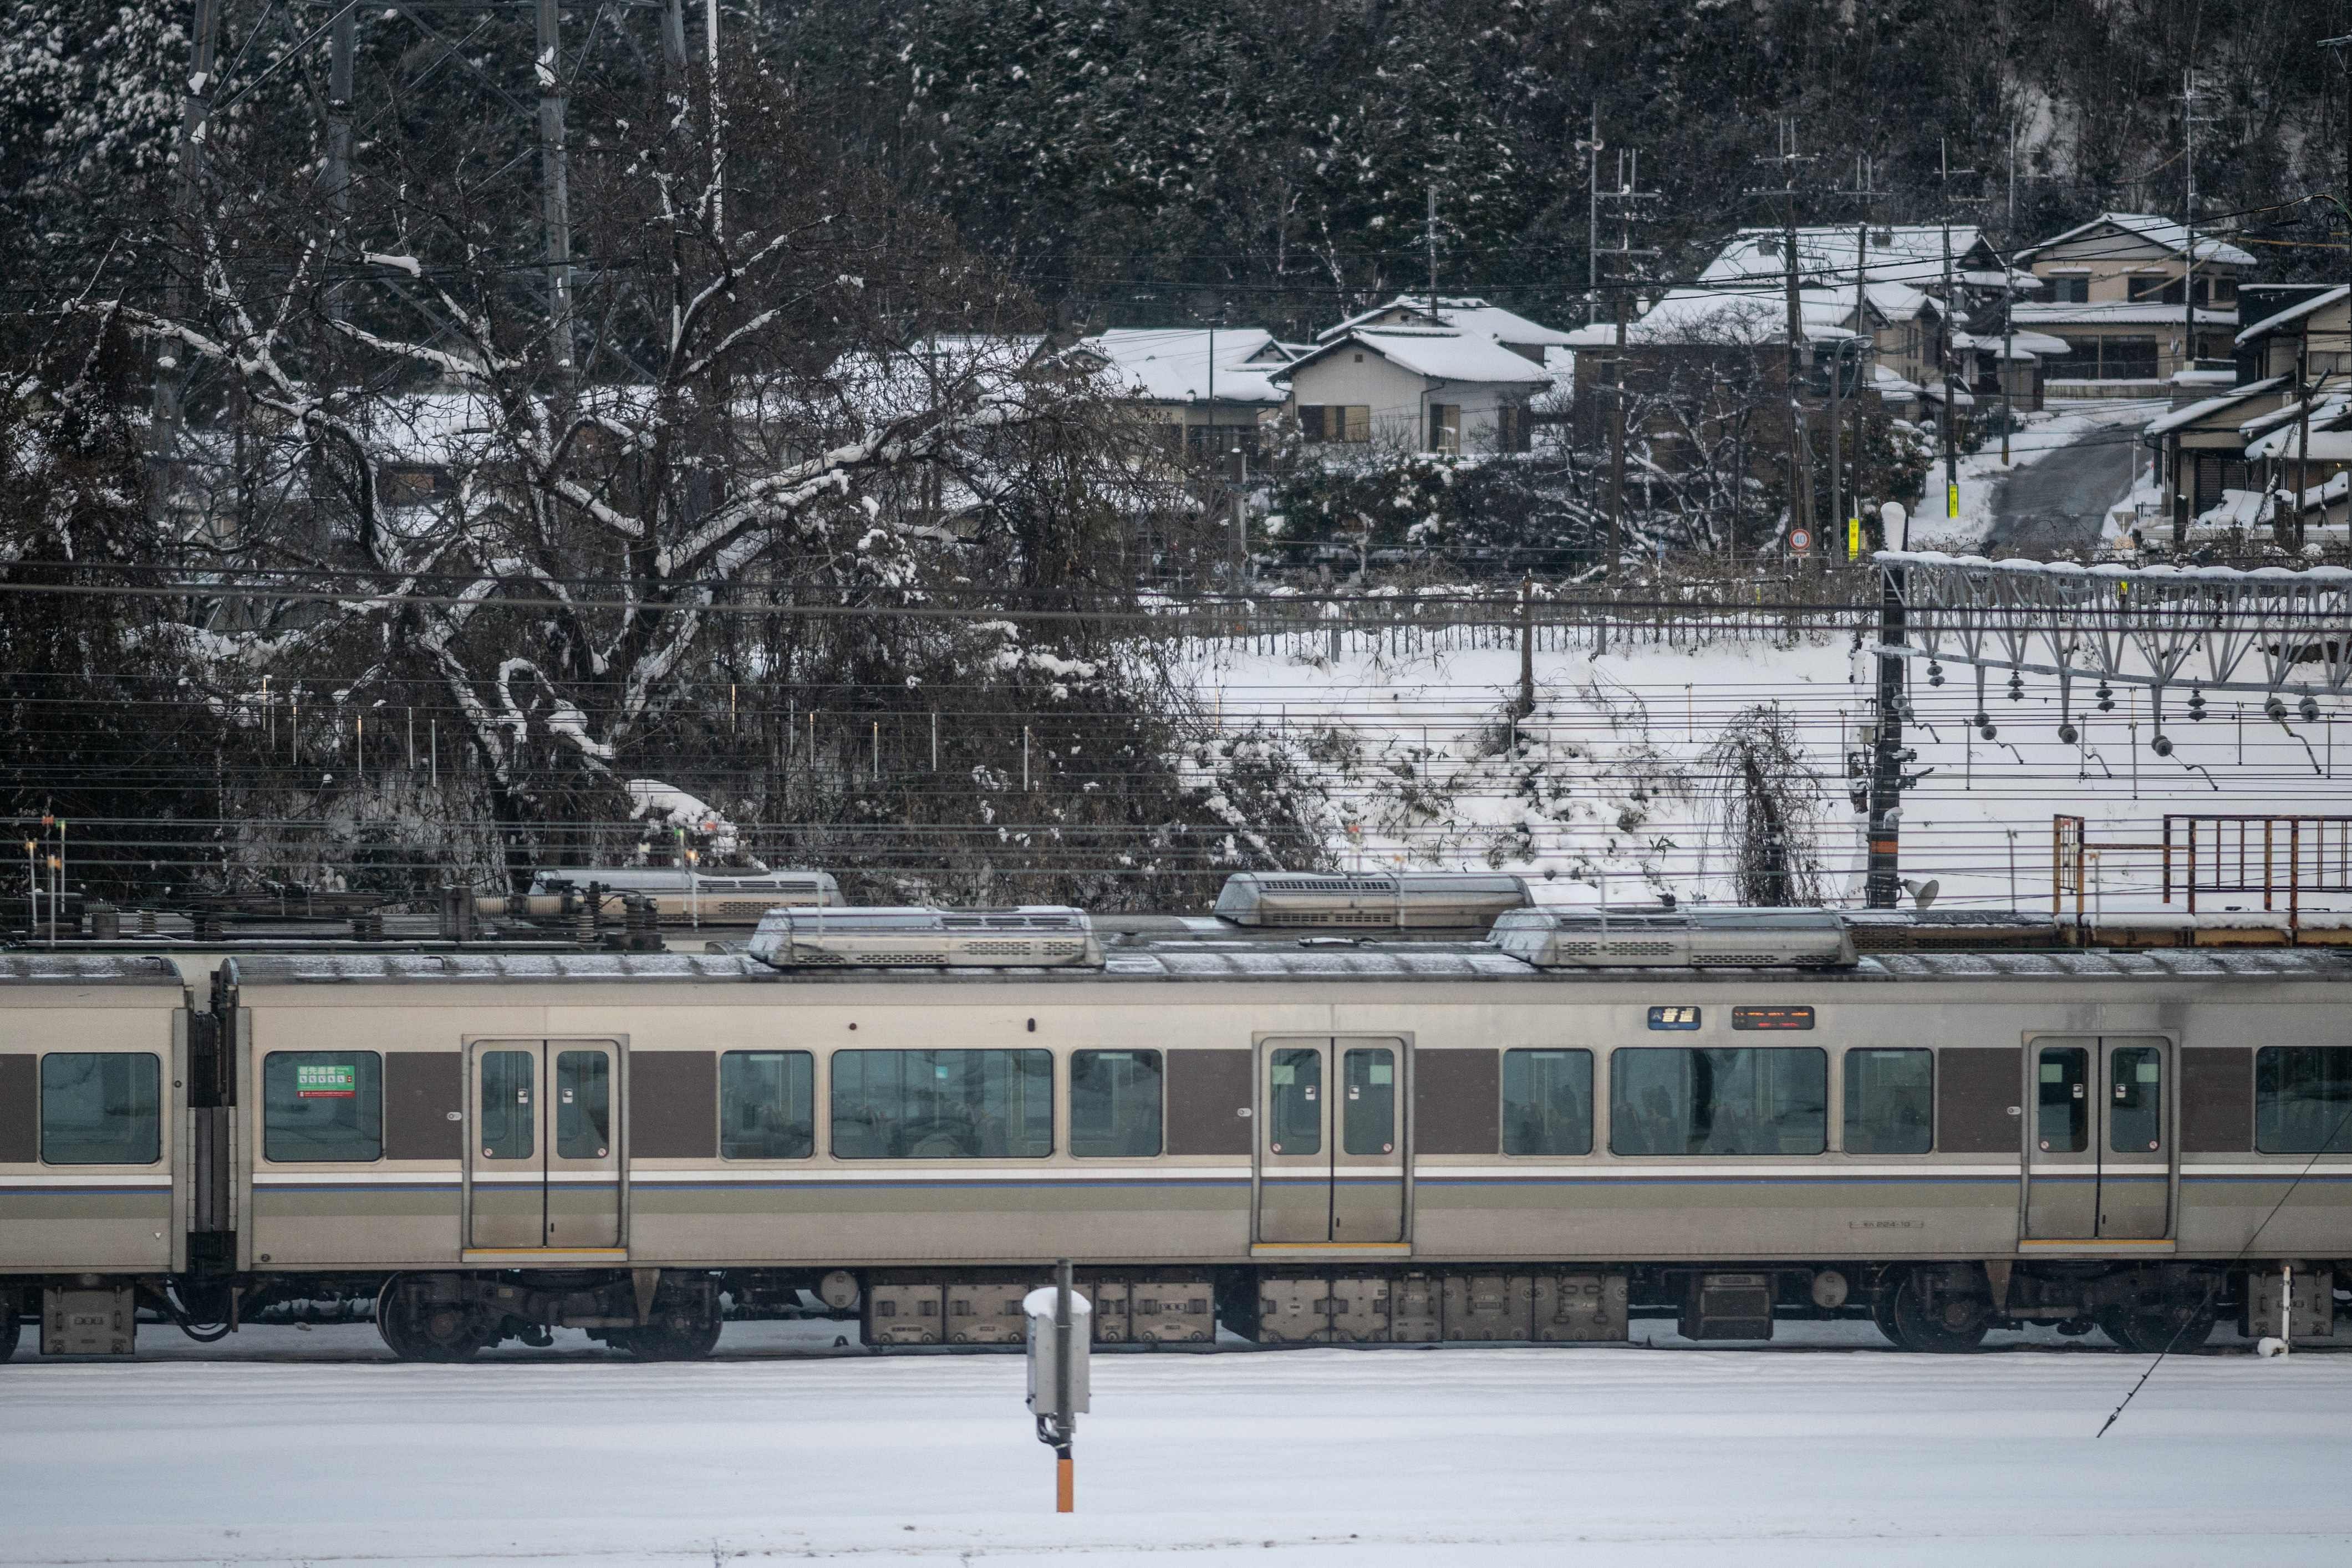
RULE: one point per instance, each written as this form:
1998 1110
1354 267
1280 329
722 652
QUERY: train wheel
1882 1309
1953 1323
419 1328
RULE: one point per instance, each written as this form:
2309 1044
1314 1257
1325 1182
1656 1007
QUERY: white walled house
1414 388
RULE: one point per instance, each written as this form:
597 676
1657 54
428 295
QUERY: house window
2219 290
1335 421
2071 290
2154 287
1445 427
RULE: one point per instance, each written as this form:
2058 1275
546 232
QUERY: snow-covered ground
1797 1457
1414 756
1982 472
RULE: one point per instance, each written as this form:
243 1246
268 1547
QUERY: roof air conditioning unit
1678 939
1040 936
1408 900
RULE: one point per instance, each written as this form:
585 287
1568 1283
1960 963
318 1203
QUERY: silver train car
1534 1137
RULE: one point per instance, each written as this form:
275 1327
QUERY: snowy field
309 1449
1611 780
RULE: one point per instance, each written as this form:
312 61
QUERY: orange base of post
1065 1486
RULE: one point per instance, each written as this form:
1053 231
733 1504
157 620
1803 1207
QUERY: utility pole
195 128
1590 147
1948 360
1801 464
1629 176
1845 506
1435 319
342 42
1882 885
555 206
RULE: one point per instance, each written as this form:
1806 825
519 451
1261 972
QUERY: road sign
1800 541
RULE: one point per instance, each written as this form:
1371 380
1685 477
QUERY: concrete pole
555 201
195 126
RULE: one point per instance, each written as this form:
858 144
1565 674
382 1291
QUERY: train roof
1317 959
87 969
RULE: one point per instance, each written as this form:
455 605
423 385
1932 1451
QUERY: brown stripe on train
423 1091
673 1105
1207 1093
20 1110
1456 1102
1980 1085
2216 1099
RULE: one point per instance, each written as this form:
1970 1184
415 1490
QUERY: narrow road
2058 503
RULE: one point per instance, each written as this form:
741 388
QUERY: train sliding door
543 1163
1331 1140
2100 1149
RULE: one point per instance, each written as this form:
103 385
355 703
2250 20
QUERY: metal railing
2293 855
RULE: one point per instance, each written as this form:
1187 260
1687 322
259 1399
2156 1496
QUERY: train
1538 1130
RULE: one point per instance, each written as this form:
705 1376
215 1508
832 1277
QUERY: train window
1547 1102
101 1108
2136 1108
322 1105
1368 1125
2062 1100
942 1105
1114 1104
1757 1101
1293 1096
767 1105
2303 1100
1890 1101
583 1105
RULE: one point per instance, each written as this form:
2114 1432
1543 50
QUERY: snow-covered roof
2181 418
1438 355
1727 316
2022 344
1899 302
2160 232
1889 384
2115 312
2325 406
1172 365
1474 317
1910 253
2319 301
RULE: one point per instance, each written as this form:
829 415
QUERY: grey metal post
1065 1418
555 204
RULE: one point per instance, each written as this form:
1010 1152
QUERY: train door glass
2063 1199
2134 1144
1368 1180
1293 1202
2099 1145
545 1157
1330 1151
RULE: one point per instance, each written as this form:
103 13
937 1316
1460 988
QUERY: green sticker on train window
326 1081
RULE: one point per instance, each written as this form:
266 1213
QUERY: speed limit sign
1800 541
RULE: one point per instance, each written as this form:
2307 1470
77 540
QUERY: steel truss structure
2209 628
